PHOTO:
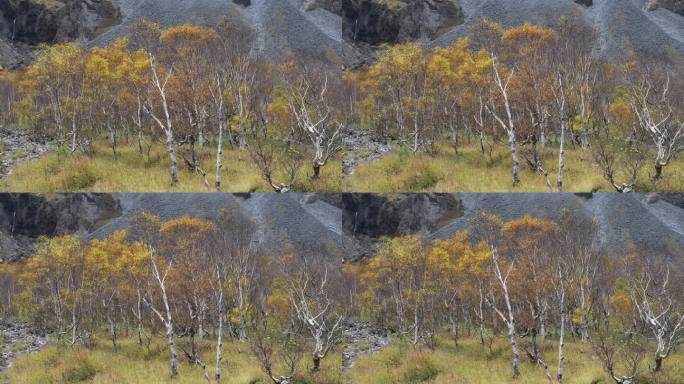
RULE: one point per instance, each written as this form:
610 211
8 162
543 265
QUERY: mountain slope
648 220
622 25
281 25
646 27
309 224
343 225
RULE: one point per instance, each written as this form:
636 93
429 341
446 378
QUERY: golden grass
470 172
470 364
398 364
132 172
444 171
132 365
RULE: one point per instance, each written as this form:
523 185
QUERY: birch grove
535 288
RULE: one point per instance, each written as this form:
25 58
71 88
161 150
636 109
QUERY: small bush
78 178
83 370
422 177
422 369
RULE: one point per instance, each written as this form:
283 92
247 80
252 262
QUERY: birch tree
165 122
148 226
310 105
652 102
506 121
310 294
658 306
488 227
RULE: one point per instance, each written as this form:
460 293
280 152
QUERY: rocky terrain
651 27
360 145
343 226
17 338
17 146
361 338
676 6
653 221
27 23
306 223
283 25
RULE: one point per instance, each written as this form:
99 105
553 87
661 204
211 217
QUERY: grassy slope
396 172
133 173
131 365
470 364
469 172
446 364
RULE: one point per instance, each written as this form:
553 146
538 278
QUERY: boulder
377 22
676 6
35 22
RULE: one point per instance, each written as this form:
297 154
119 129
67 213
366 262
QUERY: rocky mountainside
355 27
306 223
652 27
283 25
342 226
650 220
27 23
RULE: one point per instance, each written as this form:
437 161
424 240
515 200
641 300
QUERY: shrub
422 369
83 370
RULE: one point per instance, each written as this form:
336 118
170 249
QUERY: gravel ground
17 146
360 146
361 338
17 339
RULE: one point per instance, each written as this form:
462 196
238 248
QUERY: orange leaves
187 39
528 38
186 225
185 233
531 228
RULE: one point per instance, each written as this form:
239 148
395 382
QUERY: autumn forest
527 108
342 191
196 301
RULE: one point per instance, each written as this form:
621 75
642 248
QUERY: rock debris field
17 146
18 338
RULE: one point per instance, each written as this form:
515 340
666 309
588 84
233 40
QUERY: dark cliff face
35 22
44 215
375 22
676 6
26 217
334 6
366 218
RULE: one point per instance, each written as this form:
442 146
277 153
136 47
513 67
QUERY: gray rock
375 22
304 223
651 221
18 146
676 6
19 338
35 22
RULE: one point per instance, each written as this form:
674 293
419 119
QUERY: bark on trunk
658 171
514 158
658 364
172 157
